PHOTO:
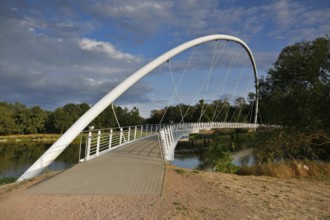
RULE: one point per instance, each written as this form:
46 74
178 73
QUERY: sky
59 52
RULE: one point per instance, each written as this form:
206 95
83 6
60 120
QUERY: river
16 157
193 154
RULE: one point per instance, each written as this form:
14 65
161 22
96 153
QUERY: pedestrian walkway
135 169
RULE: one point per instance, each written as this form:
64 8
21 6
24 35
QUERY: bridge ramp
135 168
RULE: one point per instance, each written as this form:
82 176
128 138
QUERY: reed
286 169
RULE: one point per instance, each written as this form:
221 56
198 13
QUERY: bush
224 164
292 144
220 159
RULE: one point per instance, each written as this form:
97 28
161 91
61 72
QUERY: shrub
224 164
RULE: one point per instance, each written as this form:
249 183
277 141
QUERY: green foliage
218 110
296 91
224 164
179 171
19 119
220 159
292 144
62 118
6 180
31 120
7 120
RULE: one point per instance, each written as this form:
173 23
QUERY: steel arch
63 142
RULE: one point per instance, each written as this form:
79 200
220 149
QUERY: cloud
296 21
141 18
264 60
106 48
57 52
48 63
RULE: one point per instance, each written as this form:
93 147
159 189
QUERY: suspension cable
233 59
238 82
177 86
207 104
114 113
250 109
195 97
250 112
208 79
234 94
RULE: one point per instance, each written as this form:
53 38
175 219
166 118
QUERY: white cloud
106 48
47 62
296 21
79 52
142 18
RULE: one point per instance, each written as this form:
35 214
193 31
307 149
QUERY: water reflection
17 157
187 162
192 154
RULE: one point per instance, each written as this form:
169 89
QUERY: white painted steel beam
58 147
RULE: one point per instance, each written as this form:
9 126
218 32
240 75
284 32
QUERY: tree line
17 118
241 110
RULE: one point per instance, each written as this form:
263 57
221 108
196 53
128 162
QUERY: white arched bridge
99 142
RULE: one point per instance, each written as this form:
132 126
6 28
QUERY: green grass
6 180
195 170
179 171
180 207
35 138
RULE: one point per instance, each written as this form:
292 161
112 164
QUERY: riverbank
29 138
45 138
187 195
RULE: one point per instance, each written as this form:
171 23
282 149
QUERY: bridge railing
169 135
100 141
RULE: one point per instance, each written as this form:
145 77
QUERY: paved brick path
135 168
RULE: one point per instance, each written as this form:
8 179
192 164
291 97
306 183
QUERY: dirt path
187 195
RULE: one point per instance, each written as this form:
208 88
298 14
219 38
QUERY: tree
7 120
36 120
135 118
62 118
296 91
155 116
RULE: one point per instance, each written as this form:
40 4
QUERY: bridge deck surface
135 168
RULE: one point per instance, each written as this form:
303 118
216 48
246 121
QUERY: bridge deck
135 168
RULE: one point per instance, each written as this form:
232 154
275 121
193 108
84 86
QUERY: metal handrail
100 141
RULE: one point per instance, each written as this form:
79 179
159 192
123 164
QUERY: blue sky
57 52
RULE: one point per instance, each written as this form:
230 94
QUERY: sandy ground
186 195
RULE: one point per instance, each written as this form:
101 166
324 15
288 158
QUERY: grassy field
29 137
33 138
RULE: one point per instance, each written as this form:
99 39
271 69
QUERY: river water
193 154
16 157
